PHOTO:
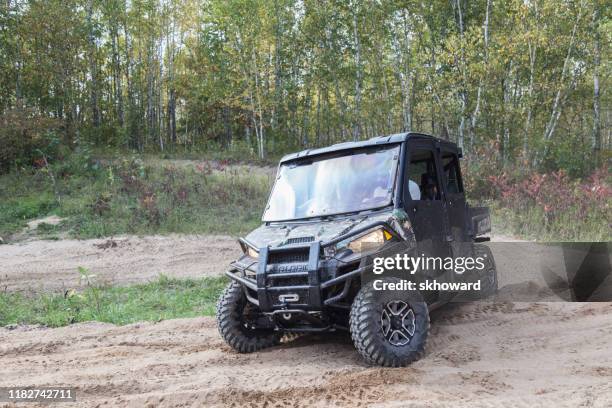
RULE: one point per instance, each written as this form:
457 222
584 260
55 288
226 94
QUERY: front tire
237 322
389 328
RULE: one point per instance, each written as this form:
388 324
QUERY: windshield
356 181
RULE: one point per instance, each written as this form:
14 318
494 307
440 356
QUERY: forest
516 83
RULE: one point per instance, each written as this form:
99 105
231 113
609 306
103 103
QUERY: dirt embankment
53 265
481 354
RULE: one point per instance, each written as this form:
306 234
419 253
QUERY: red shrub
555 193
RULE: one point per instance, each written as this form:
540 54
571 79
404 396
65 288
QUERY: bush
554 205
476 166
24 135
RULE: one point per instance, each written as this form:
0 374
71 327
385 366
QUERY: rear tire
389 328
488 277
236 323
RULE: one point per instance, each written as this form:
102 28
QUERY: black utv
331 213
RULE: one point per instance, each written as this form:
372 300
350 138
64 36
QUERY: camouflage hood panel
280 234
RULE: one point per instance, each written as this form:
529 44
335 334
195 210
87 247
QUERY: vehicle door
423 198
456 205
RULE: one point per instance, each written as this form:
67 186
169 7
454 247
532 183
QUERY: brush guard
286 278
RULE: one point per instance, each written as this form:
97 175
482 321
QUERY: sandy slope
493 355
53 265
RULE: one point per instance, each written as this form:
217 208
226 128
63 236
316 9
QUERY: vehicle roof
380 140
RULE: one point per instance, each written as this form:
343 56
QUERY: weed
102 203
95 290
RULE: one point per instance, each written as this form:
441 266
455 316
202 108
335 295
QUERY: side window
422 177
452 177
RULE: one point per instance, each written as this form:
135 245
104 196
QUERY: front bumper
294 278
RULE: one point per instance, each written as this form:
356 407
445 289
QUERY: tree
527 79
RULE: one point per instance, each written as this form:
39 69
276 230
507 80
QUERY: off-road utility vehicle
333 210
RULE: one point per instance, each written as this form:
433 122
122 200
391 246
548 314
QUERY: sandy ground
479 354
53 265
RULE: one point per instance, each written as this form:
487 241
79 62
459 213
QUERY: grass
17 205
533 225
131 196
162 299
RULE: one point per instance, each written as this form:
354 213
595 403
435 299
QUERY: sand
39 265
480 354
484 354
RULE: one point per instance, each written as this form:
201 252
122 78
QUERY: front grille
299 240
287 280
288 257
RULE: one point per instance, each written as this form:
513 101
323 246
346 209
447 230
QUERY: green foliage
26 138
127 196
32 208
16 211
532 224
164 298
250 79
151 196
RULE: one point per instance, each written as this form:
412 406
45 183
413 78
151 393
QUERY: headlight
370 241
252 252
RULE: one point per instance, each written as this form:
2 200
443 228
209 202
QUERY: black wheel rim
397 322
